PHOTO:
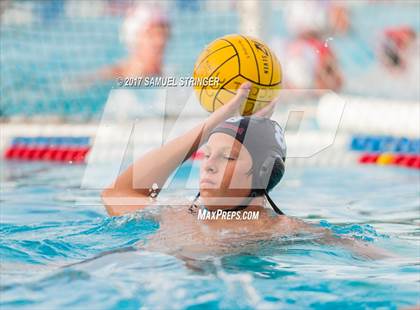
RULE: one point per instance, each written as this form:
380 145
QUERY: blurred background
60 59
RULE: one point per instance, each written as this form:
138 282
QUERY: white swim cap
139 18
306 16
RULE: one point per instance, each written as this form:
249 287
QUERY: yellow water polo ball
231 61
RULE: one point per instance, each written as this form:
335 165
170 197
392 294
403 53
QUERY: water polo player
244 159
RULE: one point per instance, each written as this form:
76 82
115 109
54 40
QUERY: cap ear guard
277 172
270 173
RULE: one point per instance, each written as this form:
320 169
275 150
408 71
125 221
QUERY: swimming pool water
49 223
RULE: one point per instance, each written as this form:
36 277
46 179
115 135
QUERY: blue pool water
49 223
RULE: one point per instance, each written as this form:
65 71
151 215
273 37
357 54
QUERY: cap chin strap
245 203
273 205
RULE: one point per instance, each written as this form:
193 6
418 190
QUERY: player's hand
269 109
231 108
234 106
237 103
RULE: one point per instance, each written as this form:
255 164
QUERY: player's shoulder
172 210
292 224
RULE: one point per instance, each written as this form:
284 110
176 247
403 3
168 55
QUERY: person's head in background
310 62
243 158
311 65
145 32
397 46
316 18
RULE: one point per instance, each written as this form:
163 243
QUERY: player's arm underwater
325 236
359 248
131 190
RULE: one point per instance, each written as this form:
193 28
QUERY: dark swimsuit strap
245 203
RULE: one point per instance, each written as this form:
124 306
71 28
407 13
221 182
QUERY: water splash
328 40
363 232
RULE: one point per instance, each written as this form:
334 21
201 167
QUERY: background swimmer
145 33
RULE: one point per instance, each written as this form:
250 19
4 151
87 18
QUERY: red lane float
58 149
404 160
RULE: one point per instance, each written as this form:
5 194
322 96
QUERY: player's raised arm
130 191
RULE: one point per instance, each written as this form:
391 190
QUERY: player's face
154 36
225 176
